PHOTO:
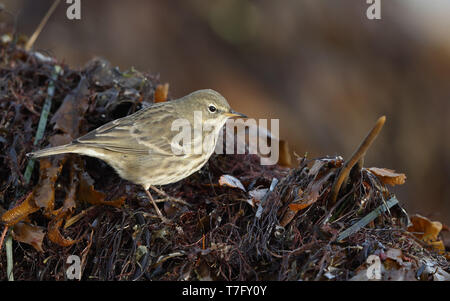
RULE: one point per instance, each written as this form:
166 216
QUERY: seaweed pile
236 219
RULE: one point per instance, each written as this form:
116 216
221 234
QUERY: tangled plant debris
238 220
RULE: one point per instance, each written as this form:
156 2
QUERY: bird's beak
233 113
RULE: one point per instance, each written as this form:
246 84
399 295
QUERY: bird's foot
168 197
158 212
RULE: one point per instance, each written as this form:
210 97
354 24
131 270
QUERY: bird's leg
160 215
162 193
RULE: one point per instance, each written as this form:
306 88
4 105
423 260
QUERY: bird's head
214 107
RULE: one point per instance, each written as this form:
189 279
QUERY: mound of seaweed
234 220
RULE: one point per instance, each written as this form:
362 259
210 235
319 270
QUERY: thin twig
357 156
3 236
168 197
41 25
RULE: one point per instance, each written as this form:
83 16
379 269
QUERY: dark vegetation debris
243 221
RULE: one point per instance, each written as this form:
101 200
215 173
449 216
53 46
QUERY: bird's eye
212 108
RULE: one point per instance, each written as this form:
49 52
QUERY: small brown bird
142 147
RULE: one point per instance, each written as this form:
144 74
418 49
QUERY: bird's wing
142 133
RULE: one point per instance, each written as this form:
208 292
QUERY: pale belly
160 170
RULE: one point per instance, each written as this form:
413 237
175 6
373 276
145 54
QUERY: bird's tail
63 149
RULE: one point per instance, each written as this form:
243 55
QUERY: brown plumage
141 147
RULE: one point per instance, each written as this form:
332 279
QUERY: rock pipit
143 147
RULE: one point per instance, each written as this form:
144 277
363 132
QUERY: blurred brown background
320 66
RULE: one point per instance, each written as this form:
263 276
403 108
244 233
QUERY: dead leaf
393 268
87 193
64 213
256 195
395 254
428 231
227 180
43 195
388 176
29 234
20 212
68 116
44 192
161 93
55 235
311 194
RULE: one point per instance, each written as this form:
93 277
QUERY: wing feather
142 133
